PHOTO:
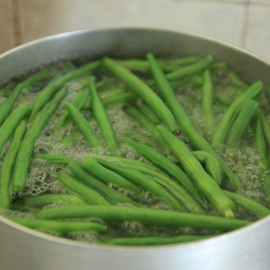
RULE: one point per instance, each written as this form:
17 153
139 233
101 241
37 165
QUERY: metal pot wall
25 249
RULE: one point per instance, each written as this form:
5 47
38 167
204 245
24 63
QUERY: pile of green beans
128 155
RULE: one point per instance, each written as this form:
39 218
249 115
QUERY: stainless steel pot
25 249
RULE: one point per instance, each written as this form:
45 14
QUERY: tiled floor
244 23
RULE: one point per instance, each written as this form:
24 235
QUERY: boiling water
42 177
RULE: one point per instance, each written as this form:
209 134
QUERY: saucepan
25 249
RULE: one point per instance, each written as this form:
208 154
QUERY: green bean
85 81
128 161
107 176
112 92
146 216
195 80
148 112
27 146
83 126
12 122
6 107
145 122
207 101
165 165
152 240
266 128
54 159
4 90
223 126
79 102
212 165
62 227
87 193
146 93
223 98
237 80
68 66
37 76
70 137
259 143
125 98
221 107
219 65
183 61
249 205
8 164
197 141
189 70
142 65
42 200
147 183
241 123
49 91
233 90
193 168
100 84
114 196
139 137
21 208
104 122
175 189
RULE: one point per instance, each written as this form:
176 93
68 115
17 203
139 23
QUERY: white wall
244 23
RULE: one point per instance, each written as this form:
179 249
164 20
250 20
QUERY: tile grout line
243 38
16 22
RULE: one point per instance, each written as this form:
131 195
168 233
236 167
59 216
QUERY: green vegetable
8 164
62 227
237 80
145 122
111 194
189 70
186 126
165 165
28 143
54 159
223 126
241 123
107 176
174 188
103 121
49 91
148 112
83 126
146 93
11 123
146 216
68 66
207 101
248 204
85 192
42 200
212 165
259 143
79 102
4 90
193 168
147 183
122 98
151 240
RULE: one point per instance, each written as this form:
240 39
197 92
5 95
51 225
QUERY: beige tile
258 30
260 2
6 26
46 17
